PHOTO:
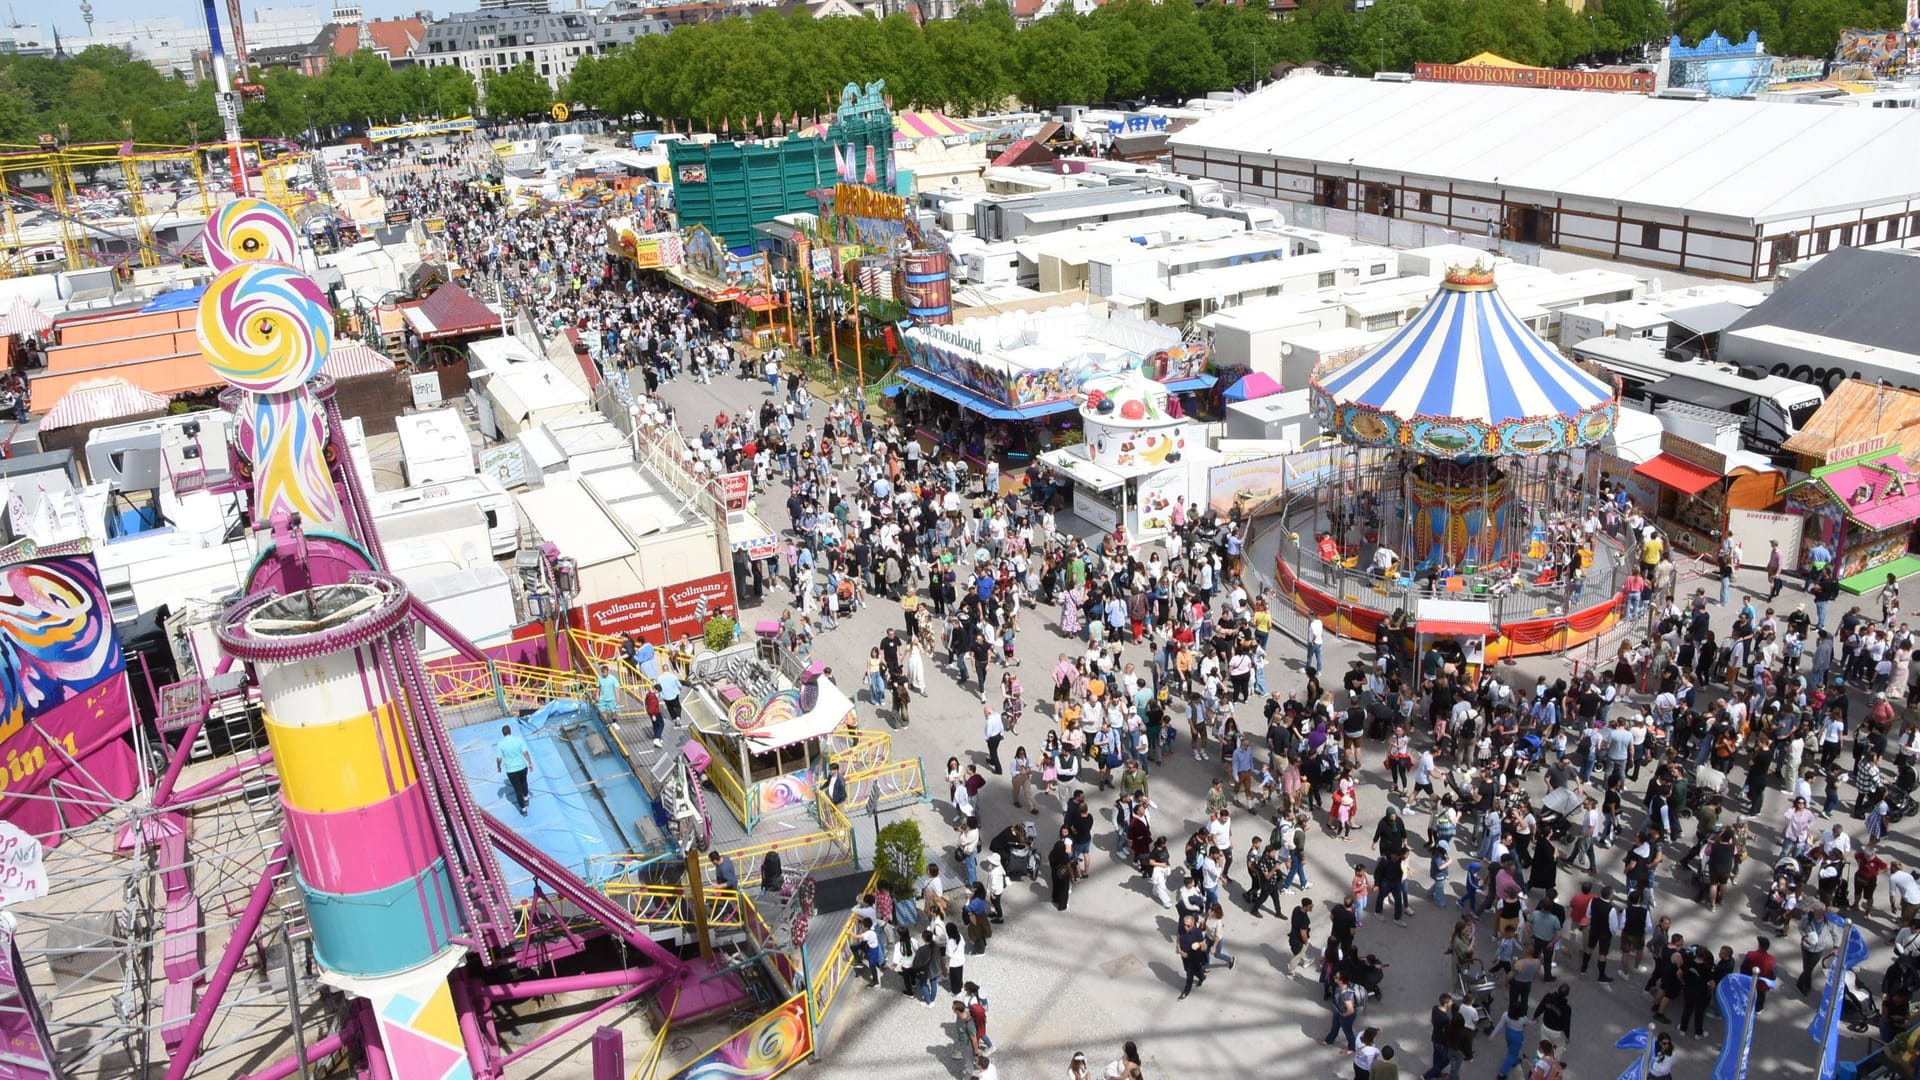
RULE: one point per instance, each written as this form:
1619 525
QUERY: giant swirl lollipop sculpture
265 327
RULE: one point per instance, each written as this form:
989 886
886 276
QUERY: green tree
1059 62
519 91
1334 31
1630 24
968 70
454 93
1183 63
1390 37
16 112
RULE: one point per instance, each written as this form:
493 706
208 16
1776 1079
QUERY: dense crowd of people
1776 737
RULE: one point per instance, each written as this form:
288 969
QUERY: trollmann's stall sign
661 614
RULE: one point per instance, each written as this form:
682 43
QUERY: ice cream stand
1139 463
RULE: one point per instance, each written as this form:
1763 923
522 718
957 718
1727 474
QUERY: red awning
1450 626
1682 476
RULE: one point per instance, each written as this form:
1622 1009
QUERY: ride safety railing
670 905
891 785
823 985
858 749
728 787
656 1046
800 854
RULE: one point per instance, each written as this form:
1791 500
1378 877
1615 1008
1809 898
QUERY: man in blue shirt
609 696
670 692
510 756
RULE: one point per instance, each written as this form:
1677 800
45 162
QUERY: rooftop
1852 294
1735 159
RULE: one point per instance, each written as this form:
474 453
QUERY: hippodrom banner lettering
64 708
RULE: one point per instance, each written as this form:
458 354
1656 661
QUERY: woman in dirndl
1070 620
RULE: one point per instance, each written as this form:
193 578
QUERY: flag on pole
1638 1039
1735 996
1825 1028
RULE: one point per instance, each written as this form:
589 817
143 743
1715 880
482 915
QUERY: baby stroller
1477 990
1016 856
1556 814
1859 1006
1709 784
1788 875
1900 801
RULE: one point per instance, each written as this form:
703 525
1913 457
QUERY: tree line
750 70
746 71
103 95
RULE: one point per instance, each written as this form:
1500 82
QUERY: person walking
609 697
1192 945
922 981
1546 1062
1439 1023
1061 866
1299 932
1513 1027
995 729
1346 1009
1555 1013
510 756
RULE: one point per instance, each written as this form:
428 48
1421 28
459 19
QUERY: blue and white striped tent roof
1466 357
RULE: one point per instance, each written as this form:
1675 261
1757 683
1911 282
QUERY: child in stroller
1783 896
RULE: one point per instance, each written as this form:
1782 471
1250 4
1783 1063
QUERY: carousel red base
1541 635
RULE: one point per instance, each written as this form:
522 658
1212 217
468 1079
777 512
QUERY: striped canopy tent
1466 379
916 124
98 401
24 318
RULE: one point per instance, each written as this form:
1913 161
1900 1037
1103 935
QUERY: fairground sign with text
1623 82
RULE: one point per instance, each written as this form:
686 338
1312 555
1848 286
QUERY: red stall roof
1683 476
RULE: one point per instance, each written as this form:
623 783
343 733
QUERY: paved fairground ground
1105 970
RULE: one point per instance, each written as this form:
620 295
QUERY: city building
392 40
1731 189
500 39
169 43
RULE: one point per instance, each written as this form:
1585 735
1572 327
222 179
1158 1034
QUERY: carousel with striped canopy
1469 396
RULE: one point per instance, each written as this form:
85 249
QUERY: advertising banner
64 707
735 489
1253 482
1628 82
415 131
636 613
690 604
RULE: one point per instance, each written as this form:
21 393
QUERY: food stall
1699 482
1863 508
1139 462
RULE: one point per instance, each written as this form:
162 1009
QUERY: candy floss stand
1139 463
